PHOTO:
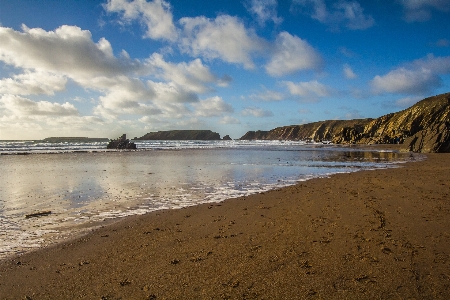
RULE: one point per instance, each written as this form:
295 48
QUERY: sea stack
121 143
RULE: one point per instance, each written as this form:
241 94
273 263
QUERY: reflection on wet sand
84 189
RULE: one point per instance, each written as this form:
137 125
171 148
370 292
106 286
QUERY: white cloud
192 76
212 107
438 65
264 10
256 112
419 77
155 15
421 10
33 83
267 95
224 37
229 120
171 93
406 81
292 54
67 51
348 14
348 72
20 106
311 89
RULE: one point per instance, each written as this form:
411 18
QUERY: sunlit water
83 186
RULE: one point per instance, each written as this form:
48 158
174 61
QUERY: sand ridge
381 234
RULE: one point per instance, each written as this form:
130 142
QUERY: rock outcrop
424 127
227 138
121 143
430 140
181 135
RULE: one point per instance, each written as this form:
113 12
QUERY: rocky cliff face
424 127
181 135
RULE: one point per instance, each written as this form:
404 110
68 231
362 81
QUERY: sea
53 191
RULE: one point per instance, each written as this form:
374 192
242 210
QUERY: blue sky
103 68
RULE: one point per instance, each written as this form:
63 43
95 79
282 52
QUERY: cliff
317 131
181 135
424 127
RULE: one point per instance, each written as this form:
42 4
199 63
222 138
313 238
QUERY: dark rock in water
226 138
424 127
121 143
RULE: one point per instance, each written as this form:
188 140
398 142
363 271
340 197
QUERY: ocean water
85 185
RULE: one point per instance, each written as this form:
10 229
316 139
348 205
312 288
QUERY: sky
104 68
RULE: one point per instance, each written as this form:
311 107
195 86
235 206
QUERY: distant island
424 127
182 135
74 140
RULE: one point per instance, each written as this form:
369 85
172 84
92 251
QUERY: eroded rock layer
424 127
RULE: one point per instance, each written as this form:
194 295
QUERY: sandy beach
381 234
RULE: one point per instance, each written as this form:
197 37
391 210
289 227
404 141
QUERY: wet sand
381 234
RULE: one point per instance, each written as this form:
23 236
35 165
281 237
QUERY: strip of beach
382 234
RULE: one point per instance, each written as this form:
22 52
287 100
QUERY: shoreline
368 234
98 187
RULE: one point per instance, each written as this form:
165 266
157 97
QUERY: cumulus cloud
130 97
406 81
264 10
292 54
212 107
348 72
256 112
419 77
224 37
192 76
309 89
68 51
33 83
20 106
155 15
421 10
348 14
171 93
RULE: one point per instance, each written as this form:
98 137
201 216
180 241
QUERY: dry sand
381 234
